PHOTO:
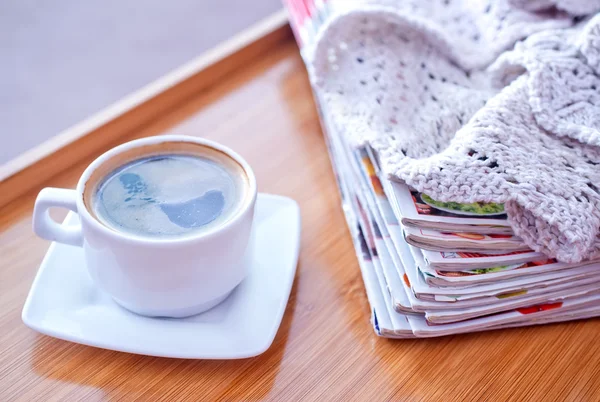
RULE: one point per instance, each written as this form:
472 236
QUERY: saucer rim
262 347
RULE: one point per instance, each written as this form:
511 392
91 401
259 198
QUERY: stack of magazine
437 268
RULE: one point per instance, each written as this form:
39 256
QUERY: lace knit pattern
575 7
524 131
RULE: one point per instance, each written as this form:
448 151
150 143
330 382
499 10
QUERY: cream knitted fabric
575 7
471 32
564 87
392 81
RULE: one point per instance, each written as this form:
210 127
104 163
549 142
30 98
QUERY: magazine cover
474 277
459 260
434 240
419 210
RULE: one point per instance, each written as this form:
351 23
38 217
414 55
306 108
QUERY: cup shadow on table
47 363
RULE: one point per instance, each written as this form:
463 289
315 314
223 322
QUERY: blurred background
65 60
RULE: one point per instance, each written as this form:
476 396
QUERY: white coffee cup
165 277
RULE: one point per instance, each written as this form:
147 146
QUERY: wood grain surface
325 348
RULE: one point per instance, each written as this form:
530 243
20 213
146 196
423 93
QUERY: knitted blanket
459 110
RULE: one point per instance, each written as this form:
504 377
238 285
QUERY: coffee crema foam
169 195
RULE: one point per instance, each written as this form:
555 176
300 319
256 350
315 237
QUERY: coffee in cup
165 193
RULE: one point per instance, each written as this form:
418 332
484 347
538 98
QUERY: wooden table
325 348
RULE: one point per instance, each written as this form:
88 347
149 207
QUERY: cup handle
48 229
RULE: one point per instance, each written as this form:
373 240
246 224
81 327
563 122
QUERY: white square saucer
64 303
